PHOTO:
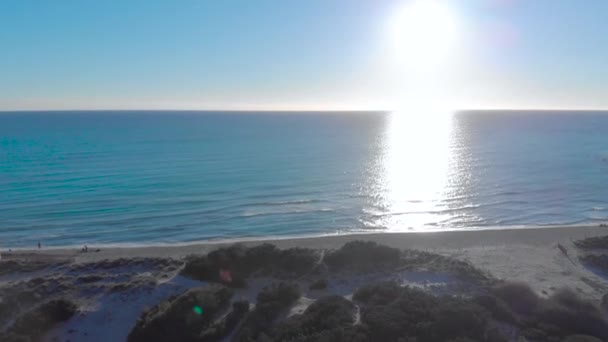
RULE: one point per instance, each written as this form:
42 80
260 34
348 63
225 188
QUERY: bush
600 262
277 296
455 317
200 268
271 302
566 314
221 329
520 297
597 242
395 313
499 310
325 314
363 256
378 294
561 315
421 260
581 338
36 322
355 333
320 284
297 261
182 318
243 262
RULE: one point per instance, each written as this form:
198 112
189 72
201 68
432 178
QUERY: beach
303 171
546 259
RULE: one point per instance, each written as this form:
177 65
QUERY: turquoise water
73 178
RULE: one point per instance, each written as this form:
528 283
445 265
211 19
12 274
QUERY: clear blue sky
280 54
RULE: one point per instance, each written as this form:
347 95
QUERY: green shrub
597 242
182 318
520 297
363 256
324 314
36 322
242 262
271 302
221 329
320 284
393 313
381 293
499 310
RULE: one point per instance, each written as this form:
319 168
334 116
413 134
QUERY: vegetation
32 325
357 256
182 318
222 328
383 311
243 262
320 284
271 302
327 316
597 242
363 256
394 313
551 319
598 262
581 338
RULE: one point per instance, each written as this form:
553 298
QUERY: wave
291 212
282 203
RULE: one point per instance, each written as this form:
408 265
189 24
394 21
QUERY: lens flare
197 310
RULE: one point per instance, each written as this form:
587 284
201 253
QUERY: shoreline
454 239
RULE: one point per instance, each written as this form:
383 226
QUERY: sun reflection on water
413 170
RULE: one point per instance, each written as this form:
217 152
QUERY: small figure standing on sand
39 245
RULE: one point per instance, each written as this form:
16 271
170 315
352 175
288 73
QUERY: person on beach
39 245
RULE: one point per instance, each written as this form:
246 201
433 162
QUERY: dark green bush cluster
319 284
552 319
363 256
182 318
581 338
320 318
35 323
271 302
421 260
222 328
354 256
20 266
393 313
597 242
599 262
243 262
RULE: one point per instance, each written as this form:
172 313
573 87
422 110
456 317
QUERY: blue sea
105 178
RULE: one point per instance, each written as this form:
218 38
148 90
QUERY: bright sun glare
422 33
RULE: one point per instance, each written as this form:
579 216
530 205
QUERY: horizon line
208 110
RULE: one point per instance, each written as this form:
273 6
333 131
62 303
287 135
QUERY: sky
301 55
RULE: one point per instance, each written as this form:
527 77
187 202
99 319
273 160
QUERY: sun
422 33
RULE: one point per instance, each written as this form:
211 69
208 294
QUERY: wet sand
542 238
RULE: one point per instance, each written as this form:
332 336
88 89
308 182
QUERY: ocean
135 178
